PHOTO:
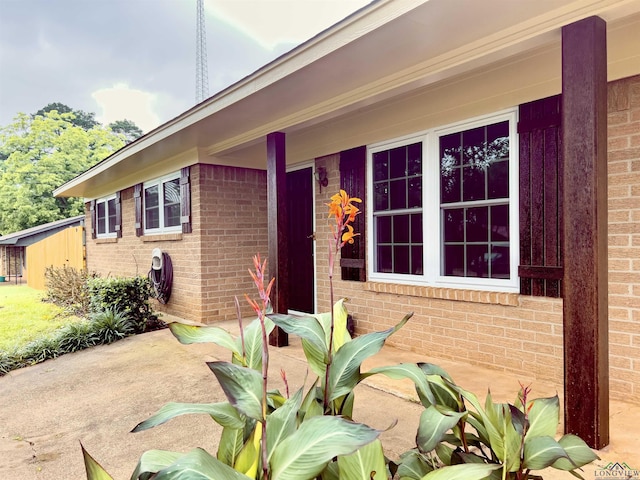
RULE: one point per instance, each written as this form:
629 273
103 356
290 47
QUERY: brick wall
624 237
233 228
514 333
210 264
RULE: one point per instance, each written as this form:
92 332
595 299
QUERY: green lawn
24 317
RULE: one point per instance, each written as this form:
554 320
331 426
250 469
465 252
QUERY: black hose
162 278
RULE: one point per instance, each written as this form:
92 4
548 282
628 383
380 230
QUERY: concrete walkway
97 396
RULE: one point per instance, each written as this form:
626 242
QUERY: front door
300 239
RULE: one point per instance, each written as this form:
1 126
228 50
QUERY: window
445 206
106 217
162 205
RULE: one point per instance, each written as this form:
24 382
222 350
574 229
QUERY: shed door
300 240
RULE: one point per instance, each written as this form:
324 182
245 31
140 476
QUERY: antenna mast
202 72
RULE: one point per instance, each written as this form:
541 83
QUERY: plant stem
244 351
330 357
265 370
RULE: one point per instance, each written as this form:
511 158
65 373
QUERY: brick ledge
106 240
473 296
164 237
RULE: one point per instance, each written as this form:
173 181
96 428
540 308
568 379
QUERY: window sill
106 240
162 237
473 296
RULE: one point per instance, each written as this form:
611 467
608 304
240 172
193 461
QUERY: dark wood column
584 116
277 230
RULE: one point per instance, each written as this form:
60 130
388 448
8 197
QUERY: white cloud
272 22
122 102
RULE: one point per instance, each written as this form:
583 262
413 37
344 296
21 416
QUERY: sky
136 59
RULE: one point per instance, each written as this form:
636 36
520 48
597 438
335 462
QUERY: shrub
68 288
129 295
110 325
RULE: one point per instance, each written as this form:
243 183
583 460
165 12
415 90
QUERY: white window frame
159 183
432 228
107 233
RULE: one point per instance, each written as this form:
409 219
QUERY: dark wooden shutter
540 134
353 181
92 211
118 215
185 200
137 199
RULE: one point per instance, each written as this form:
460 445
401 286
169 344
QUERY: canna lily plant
310 434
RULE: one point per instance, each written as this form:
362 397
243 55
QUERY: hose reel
161 275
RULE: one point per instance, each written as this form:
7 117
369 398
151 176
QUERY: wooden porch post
277 230
584 116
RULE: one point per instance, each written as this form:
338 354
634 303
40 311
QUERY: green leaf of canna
282 422
253 343
541 452
410 371
469 471
340 333
413 466
241 385
543 417
578 451
188 334
230 445
345 370
94 469
433 427
316 357
305 454
152 461
306 327
364 464
198 465
223 413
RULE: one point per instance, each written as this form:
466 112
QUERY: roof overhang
387 50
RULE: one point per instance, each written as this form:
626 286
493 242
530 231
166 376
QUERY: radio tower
202 73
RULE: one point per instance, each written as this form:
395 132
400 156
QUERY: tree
127 128
41 153
82 119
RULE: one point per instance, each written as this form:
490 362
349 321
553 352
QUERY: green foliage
129 295
102 328
79 118
40 154
111 325
68 287
511 439
129 130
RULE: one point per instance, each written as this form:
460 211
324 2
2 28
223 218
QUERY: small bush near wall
68 288
130 296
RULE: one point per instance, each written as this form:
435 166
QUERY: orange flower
341 205
344 212
347 237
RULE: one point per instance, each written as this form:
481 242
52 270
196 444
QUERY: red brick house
496 146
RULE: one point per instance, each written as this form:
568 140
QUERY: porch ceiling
384 51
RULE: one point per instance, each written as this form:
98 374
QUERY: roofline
17 236
368 18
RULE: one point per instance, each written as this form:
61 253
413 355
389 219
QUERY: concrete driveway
98 395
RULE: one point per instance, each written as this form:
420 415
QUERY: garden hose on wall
161 275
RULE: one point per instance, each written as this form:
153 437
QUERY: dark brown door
300 239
